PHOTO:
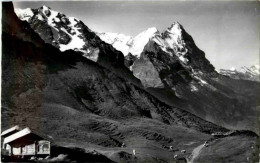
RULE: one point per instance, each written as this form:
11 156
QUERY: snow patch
56 19
193 88
24 14
76 43
120 42
52 16
92 54
184 60
233 69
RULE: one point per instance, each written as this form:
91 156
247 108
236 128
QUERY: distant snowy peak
139 41
252 73
255 70
128 44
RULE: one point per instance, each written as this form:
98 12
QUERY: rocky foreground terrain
87 98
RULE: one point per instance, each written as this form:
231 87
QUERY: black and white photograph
130 81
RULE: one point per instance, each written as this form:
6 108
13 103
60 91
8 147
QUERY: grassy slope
230 149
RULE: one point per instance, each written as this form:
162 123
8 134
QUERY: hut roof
21 134
10 130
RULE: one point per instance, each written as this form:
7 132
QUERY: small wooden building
25 143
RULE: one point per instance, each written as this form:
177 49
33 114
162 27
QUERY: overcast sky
228 32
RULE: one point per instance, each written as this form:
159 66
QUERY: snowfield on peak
141 40
128 44
24 14
120 42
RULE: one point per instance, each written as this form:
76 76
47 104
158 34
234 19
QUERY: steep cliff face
175 58
183 45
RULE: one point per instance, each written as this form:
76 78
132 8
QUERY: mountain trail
195 153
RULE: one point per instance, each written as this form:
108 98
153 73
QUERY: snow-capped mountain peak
254 70
175 28
246 73
173 36
45 8
64 32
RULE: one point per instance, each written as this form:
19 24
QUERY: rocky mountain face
245 73
173 57
69 33
61 31
168 51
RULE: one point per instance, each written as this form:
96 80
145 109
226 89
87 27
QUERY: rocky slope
245 73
